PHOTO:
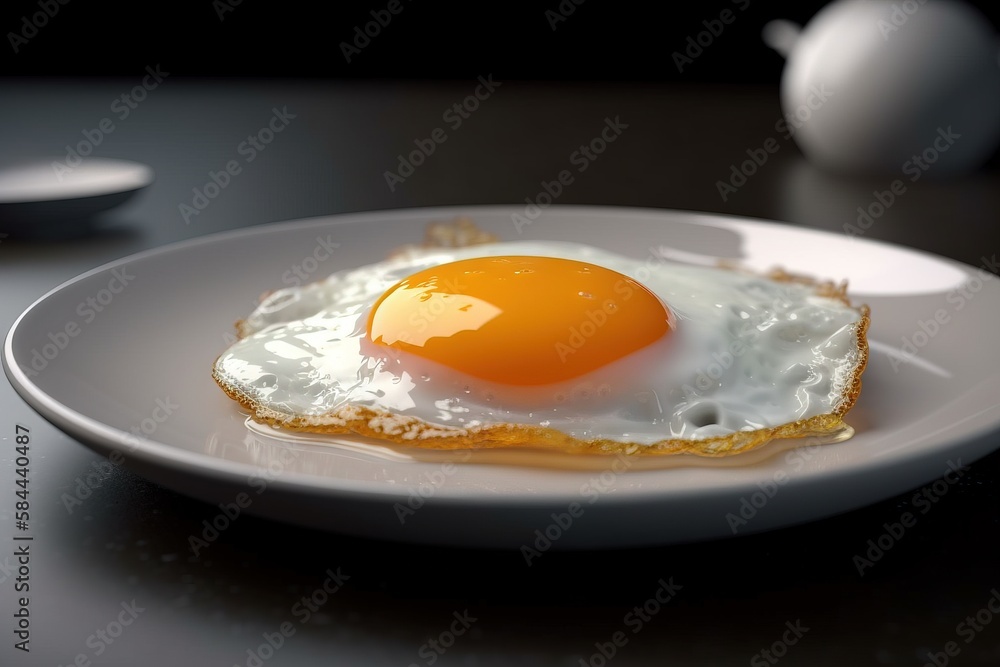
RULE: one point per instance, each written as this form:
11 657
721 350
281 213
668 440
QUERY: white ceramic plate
127 349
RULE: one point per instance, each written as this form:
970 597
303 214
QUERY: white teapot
902 86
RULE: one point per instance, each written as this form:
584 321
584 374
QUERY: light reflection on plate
875 269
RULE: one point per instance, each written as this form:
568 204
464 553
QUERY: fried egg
553 345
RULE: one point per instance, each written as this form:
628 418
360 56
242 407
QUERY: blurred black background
601 40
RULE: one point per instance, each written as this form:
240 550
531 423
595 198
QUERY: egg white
747 353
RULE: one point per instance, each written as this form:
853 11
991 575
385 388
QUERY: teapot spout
781 35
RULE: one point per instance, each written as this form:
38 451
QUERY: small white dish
46 191
120 359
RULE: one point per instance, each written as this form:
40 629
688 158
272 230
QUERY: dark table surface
129 543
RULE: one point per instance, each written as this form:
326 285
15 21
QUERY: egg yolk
519 320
